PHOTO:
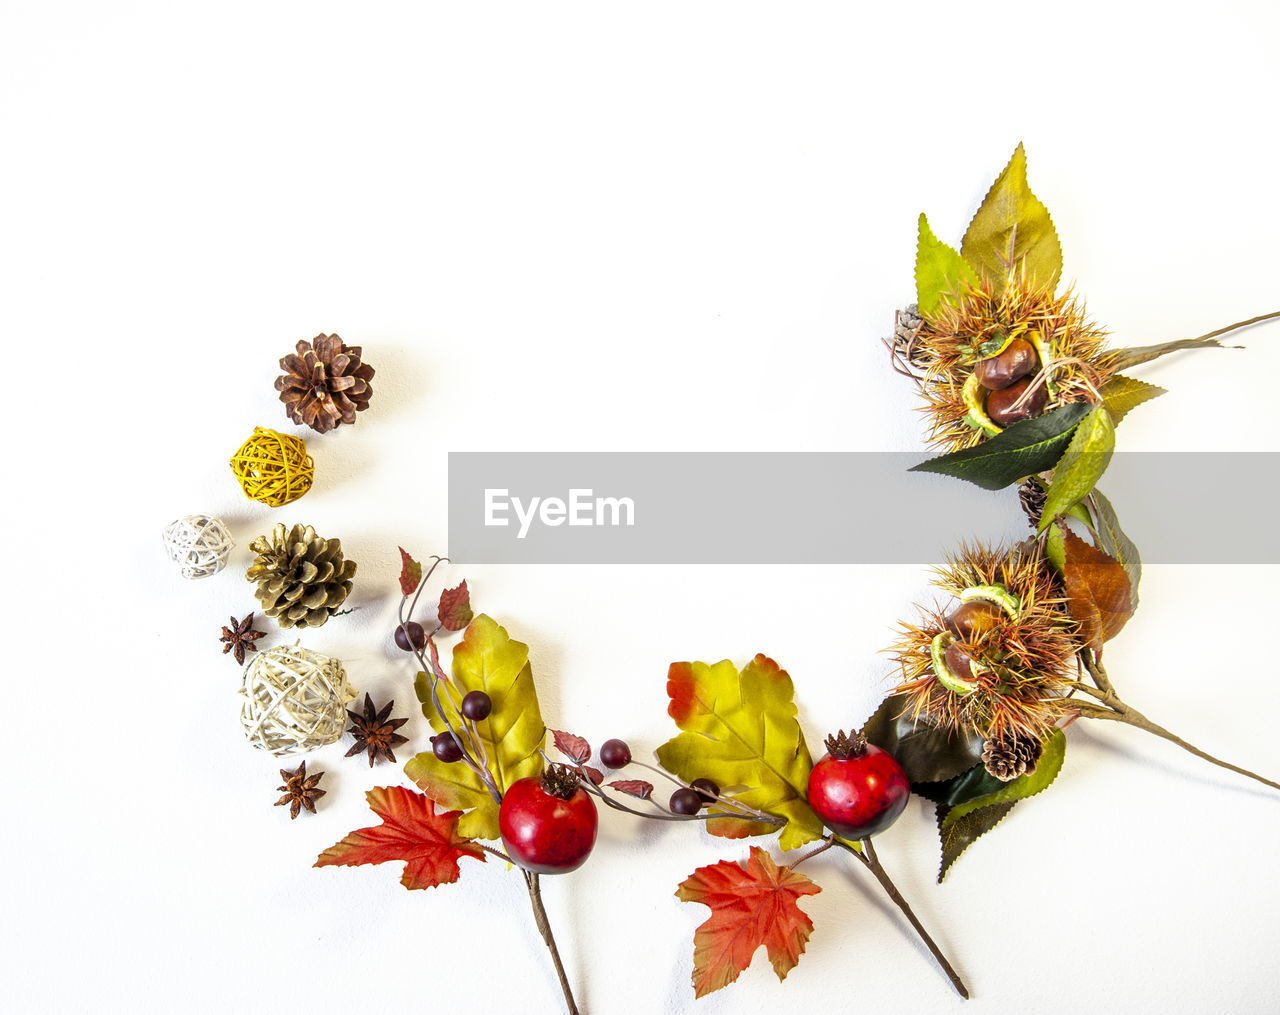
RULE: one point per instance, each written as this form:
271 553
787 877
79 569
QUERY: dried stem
1111 708
544 928
872 863
1238 324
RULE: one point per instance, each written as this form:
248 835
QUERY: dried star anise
299 790
240 638
374 732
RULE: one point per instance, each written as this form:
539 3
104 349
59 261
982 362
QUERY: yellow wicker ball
273 467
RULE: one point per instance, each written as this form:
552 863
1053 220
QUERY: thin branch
544 928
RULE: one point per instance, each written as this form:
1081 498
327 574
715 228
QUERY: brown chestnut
958 662
998 372
970 621
1000 403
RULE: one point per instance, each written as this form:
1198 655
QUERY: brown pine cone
1007 755
324 383
302 578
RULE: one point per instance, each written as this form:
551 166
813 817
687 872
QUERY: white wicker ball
294 700
198 544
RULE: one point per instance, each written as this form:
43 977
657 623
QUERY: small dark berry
685 801
477 705
416 638
706 789
446 748
615 754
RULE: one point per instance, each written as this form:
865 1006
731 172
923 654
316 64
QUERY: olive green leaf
976 813
1099 593
1012 234
1113 541
941 273
961 834
486 659
1122 359
1121 393
740 729
1028 447
1081 465
927 753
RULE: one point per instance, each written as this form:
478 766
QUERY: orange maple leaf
411 831
751 904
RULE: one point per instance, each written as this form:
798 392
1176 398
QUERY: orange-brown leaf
410 573
411 831
751 904
1098 590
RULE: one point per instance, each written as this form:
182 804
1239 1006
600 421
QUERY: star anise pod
240 638
374 732
299 790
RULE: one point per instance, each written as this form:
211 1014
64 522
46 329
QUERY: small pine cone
324 383
1032 497
302 578
906 322
1007 755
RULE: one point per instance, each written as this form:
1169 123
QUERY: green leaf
962 824
486 659
1122 359
1012 233
1054 550
1120 394
927 753
961 834
976 782
740 730
941 272
1081 466
1113 541
1032 446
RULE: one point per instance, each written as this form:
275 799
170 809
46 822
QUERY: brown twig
544 928
1111 708
872 863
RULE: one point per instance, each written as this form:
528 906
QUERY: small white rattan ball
294 700
198 544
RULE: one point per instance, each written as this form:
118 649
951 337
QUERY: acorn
1000 403
1015 361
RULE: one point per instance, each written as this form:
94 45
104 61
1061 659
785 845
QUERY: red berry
615 754
861 793
685 801
477 705
444 747
706 789
544 832
411 636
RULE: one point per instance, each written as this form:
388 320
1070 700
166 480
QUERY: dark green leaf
940 271
976 782
1032 446
1113 541
1081 465
1120 394
1012 232
927 753
1050 764
961 834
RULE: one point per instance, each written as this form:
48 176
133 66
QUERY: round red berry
615 754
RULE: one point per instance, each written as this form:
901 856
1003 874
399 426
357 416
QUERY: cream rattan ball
294 700
198 544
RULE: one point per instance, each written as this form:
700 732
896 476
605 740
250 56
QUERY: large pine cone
324 383
1007 755
302 578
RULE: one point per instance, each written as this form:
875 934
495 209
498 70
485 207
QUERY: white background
592 226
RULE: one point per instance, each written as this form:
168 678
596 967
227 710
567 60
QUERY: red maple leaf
410 573
455 608
412 831
752 904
